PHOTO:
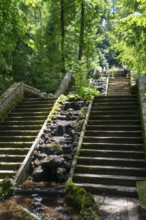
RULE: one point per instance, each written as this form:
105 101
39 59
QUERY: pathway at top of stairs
111 158
18 132
119 86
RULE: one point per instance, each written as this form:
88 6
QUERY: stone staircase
19 130
118 86
111 158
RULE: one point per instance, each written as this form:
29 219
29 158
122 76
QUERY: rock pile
55 150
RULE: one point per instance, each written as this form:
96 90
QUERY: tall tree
82 25
129 34
62 35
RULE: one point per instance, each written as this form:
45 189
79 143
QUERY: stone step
112 190
113 122
118 87
113 108
105 111
30 110
115 98
20 127
18 132
113 127
120 78
10 165
107 179
113 161
113 117
119 93
111 158
111 170
33 114
113 146
136 133
16 151
25 118
16 144
22 122
17 138
40 99
112 153
115 102
113 139
34 105
7 173
119 81
11 158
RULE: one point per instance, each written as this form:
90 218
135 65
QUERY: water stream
37 208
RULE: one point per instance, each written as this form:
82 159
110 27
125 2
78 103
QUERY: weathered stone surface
61 174
142 98
54 152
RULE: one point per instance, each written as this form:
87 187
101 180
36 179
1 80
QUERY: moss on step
141 190
6 188
56 108
59 102
83 200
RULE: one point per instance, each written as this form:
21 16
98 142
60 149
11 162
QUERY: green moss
74 96
6 188
82 113
82 200
56 108
141 190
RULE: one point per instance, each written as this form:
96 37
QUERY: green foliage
113 70
128 37
82 86
82 113
82 200
6 188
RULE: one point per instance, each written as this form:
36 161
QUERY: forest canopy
43 39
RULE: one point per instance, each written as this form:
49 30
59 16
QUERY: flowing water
37 208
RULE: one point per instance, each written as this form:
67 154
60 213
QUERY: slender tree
82 29
62 35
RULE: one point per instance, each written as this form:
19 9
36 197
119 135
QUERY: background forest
40 40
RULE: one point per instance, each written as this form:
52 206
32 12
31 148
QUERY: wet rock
38 174
51 149
53 161
57 146
66 149
78 125
61 174
38 156
75 105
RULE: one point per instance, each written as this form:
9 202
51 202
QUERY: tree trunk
62 35
82 26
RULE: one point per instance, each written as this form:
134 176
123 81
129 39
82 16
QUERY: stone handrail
107 81
9 98
13 95
74 163
31 90
142 99
64 84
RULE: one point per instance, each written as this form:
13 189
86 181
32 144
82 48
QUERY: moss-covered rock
82 200
6 188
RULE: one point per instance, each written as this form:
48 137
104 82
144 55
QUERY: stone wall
142 99
9 99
